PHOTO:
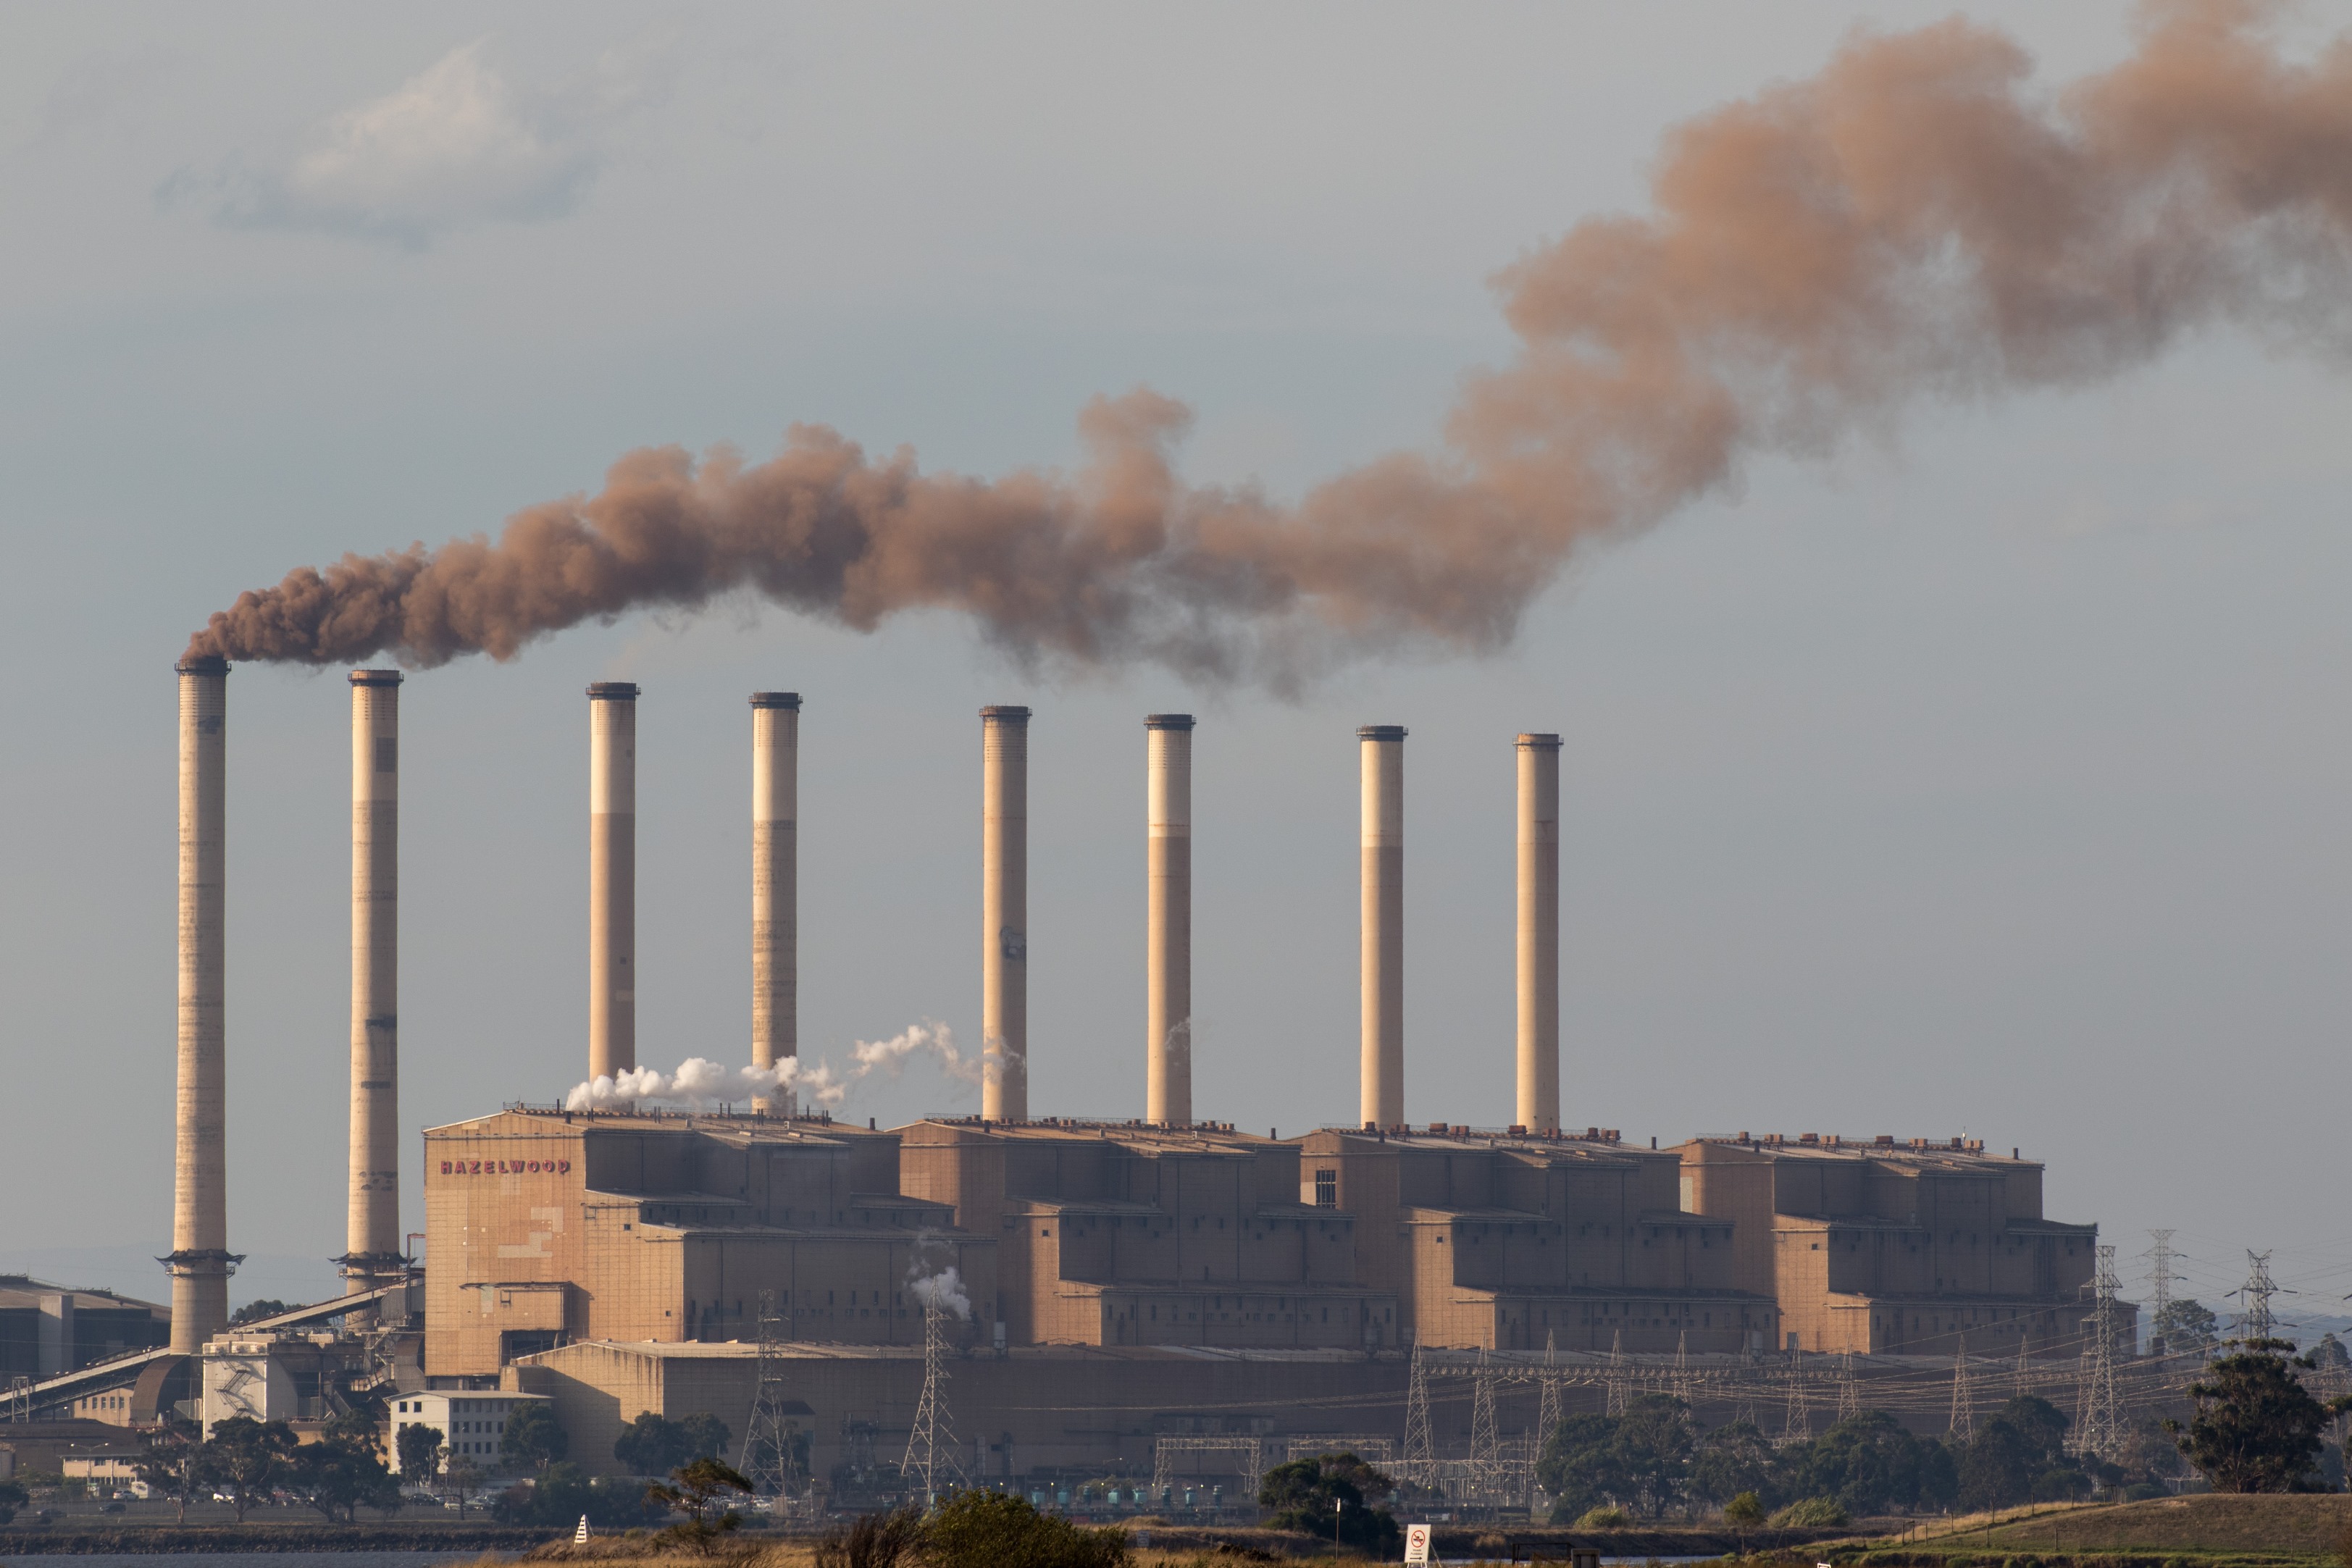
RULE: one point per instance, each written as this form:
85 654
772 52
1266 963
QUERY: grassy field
2204 1530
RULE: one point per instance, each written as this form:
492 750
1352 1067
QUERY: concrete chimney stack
1004 914
1539 1057
1381 748
611 878
200 1262
1167 959
372 1235
775 887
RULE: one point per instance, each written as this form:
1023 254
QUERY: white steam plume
943 1290
929 1038
700 1081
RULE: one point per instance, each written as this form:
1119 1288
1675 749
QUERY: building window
1327 1190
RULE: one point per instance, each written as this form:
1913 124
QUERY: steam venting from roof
700 1081
1918 220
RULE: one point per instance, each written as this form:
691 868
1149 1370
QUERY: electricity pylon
932 1441
1964 1410
771 1457
1420 1463
2098 1422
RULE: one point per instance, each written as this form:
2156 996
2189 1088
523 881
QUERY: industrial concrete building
1032 1408
1127 1234
472 1426
1882 1248
48 1329
1505 1242
545 1226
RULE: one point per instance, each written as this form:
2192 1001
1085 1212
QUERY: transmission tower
2161 1277
1681 1366
1797 1422
1546 1414
1616 1379
1849 1392
772 1461
2098 1420
1485 1442
2255 1321
931 1442
1964 1410
1420 1462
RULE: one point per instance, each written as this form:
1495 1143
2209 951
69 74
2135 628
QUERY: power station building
1127 1234
1114 1282
1514 1242
1897 1250
544 1227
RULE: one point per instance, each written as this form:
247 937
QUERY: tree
2019 1455
561 1493
250 1457
534 1438
704 1436
1743 1513
462 1475
2185 1327
2256 1428
695 1490
254 1311
1731 1460
652 1445
1869 1464
1640 1460
176 1464
341 1472
12 1498
1333 1496
420 1453
996 1530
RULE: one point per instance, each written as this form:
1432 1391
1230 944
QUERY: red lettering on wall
444 1167
563 1167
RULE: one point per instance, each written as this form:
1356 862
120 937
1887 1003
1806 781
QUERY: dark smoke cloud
1919 220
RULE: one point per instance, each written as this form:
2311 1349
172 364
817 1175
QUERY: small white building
472 1424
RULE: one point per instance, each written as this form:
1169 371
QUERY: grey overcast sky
1988 778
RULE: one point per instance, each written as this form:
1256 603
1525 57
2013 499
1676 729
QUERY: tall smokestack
1538 1098
200 1262
1168 962
372 1235
1381 747
775 886
611 878
1004 914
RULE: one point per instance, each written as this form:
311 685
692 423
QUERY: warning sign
1416 1544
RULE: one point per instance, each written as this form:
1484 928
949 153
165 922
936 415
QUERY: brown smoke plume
1916 221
